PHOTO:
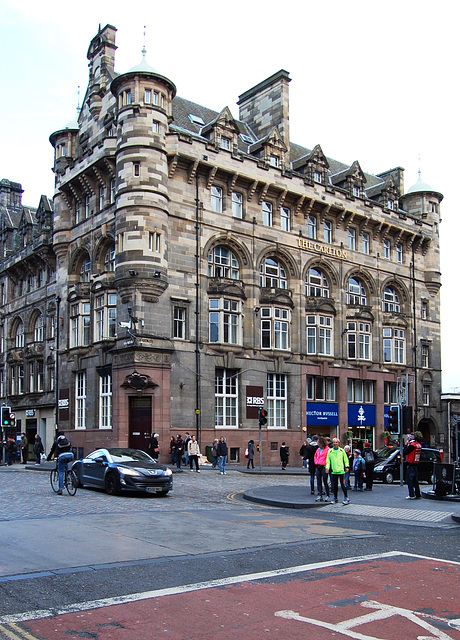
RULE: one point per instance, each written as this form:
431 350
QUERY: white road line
210 584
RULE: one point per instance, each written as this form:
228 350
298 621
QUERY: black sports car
116 470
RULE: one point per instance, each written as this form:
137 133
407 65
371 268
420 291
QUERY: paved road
58 551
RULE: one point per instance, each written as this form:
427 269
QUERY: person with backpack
62 450
358 469
369 459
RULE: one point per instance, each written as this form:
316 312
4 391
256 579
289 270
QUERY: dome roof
422 187
143 67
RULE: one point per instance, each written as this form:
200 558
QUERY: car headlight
378 468
168 472
129 472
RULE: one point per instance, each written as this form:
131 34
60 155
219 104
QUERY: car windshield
128 455
386 452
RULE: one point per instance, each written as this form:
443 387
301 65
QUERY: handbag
246 453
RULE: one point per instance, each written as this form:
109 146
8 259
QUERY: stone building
199 265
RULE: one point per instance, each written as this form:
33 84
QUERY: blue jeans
412 481
63 459
222 463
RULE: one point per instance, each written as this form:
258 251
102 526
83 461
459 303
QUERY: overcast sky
371 81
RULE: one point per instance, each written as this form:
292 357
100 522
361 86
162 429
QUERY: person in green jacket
337 464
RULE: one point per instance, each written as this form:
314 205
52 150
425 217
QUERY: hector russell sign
321 414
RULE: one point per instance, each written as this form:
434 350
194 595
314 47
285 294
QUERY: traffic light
394 418
12 419
407 418
263 417
6 416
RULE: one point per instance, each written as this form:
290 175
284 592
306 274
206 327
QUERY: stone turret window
155 241
285 218
155 126
327 231
267 214
237 205
147 96
216 199
365 242
136 169
101 197
387 249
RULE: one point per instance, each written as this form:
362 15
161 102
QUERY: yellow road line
13 632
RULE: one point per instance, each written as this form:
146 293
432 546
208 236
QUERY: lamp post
56 368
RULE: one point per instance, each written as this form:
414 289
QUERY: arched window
390 301
19 336
85 269
272 274
39 329
222 263
316 284
356 292
109 259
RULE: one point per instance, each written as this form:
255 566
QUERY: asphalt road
59 551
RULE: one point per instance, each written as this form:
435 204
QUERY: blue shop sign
386 413
361 415
322 414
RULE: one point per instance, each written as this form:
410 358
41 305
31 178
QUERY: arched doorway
427 428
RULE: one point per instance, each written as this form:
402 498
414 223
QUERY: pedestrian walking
10 451
194 453
179 449
358 469
336 466
303 453
155 446
172 449
251 451
321 475
369 459
284 455
311 450
412 453
38 449
222 452
24 448
187 439
214 453
350 465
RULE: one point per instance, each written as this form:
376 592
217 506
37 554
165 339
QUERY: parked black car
388 462
116 470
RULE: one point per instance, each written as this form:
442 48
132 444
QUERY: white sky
371 81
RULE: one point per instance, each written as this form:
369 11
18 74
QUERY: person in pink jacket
321 475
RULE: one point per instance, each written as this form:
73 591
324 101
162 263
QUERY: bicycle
70 480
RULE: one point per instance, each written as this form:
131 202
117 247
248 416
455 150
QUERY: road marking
395 513
246 577
381 612
15 633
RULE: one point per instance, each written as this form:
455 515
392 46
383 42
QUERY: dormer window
274 161
245 138
225 143
196 119
317 177
390 205
356 191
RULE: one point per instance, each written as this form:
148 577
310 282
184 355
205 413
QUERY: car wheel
112 484
388 477
78 481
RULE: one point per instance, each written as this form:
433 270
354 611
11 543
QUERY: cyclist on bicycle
61 449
